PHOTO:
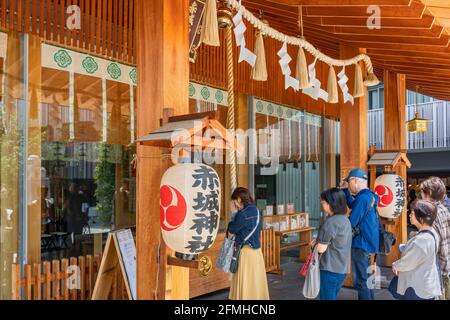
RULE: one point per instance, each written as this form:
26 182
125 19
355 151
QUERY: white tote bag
311 287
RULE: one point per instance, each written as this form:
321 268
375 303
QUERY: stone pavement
289 286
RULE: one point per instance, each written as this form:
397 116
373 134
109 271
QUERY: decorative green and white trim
55 151
313 119
276 110
68 60
208 94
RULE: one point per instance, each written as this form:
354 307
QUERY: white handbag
311 287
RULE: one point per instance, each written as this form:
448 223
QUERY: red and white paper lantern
392 195
189 207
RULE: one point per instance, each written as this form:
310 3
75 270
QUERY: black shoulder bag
237 248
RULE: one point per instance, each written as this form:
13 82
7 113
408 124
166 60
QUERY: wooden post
162 41
395 139
354 140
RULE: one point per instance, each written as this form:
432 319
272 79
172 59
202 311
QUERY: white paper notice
128 252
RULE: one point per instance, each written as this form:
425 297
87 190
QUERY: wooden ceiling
414 37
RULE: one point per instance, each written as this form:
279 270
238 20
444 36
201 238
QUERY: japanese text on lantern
206 208
400 194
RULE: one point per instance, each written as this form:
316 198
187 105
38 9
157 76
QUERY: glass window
381 98
66 159
13 152
279 147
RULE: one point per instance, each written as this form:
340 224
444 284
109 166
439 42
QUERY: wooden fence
268 248
54 281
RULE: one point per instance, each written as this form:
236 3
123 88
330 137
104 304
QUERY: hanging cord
230 114
274 34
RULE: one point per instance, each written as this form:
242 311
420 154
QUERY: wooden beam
334 3
426 21
164 81
414 10
354 133
353 123
415 47
434 32
395 139
442 41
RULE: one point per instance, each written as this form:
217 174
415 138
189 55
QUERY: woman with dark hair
334 243
249 282
417 269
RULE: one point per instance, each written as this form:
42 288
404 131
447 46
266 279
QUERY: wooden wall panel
107 27
55 21
62 5
99 25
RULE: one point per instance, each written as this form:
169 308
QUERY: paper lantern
392 195
189 207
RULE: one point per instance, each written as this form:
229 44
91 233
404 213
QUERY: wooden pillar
395 139
162 60
354 133
354 140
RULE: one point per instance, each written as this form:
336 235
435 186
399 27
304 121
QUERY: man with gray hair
434 190
365 226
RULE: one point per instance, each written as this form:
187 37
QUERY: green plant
105 181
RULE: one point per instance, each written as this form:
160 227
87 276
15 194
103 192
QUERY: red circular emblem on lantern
172 208
386 195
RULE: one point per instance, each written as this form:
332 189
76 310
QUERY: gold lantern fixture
418 124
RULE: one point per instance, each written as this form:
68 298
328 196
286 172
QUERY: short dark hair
425 211
244 194
434 187
335 197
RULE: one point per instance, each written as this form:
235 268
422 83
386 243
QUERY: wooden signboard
196 9
120 249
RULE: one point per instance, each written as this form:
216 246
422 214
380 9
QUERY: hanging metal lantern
418 124
189 208
392 195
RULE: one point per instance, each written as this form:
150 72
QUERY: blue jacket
368 239
243 223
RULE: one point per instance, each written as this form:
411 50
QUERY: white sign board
128 252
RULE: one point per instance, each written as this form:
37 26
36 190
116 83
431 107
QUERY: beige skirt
250 281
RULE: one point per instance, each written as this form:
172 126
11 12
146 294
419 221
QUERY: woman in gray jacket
417 269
